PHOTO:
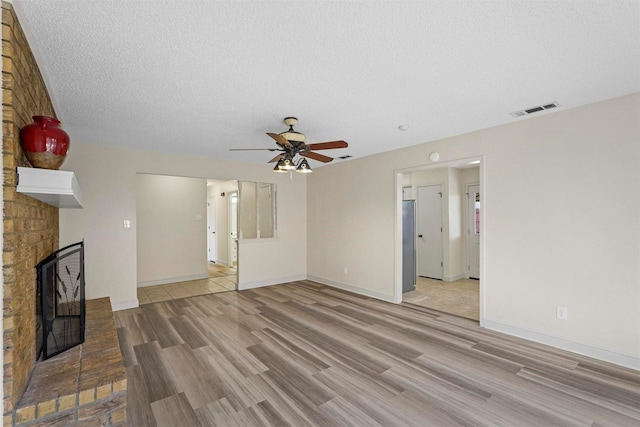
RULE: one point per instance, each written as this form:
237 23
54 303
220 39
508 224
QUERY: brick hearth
84 385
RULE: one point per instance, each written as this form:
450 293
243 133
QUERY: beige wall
171 215
107 176
266 208
561 202
248 226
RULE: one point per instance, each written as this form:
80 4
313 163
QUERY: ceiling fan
292 144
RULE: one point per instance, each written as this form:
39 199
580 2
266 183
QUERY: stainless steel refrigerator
408 245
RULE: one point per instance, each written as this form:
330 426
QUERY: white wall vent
535 109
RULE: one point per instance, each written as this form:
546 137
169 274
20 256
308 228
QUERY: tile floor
461 297
221 279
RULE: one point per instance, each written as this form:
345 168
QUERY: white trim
483 239
564 344
263 283
354 289
469 225
173 280
124 304
230 239
397 288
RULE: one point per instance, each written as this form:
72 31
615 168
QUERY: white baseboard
454 278
354 289
564 344
263 283
173 280
123 304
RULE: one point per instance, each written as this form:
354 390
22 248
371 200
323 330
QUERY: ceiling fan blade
253 149
318 157
276 158
328 145
279 139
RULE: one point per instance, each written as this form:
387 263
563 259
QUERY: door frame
211 223
230 242
470 225
398 173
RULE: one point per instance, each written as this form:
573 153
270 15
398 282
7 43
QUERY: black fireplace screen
60 305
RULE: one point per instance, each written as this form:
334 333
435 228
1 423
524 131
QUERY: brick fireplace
84 385
30 227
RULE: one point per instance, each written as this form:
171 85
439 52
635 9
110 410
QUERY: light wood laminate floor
221 279
304 354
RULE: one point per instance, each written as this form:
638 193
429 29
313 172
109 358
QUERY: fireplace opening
60 302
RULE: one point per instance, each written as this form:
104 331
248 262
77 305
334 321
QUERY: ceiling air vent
535 109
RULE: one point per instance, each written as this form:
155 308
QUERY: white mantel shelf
57 188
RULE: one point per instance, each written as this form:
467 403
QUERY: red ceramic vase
44 142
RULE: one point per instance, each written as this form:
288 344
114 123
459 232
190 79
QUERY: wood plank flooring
304 354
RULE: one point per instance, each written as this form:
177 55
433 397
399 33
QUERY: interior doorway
176 237
454 290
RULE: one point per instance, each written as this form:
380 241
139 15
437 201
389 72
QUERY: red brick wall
30 227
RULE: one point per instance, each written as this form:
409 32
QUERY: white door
473 230
211 229
429 230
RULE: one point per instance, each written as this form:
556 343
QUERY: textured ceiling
201 77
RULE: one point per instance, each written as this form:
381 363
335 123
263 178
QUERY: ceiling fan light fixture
303 167
286 164
279 167
294 150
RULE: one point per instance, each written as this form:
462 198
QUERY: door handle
419 235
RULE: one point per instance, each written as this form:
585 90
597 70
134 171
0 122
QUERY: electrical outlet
561 313
127 223
346 271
